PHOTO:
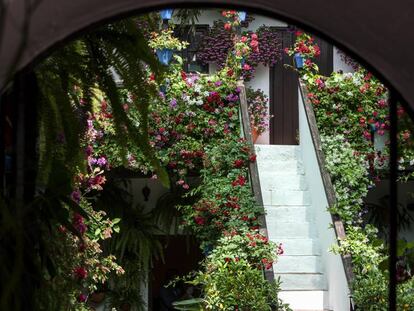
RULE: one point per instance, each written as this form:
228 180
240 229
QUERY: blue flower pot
242 16
298 61
164 56
166 14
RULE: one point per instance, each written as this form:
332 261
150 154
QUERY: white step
304 300
302 281
277 152
291 213
286 197
269 167
294 246
298 264
279 230
282 181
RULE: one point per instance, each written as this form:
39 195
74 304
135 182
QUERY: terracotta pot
255 135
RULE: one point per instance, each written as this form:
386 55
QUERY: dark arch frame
29 29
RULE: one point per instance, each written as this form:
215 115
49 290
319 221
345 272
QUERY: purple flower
218 83
92 161
173 103
232 97
238 90
89 150
101 161
76 196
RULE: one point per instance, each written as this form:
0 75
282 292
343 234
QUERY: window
189 55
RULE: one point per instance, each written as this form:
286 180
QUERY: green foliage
349 175
236 285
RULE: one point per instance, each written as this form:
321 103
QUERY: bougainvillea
218 42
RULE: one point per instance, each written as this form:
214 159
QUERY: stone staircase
290 221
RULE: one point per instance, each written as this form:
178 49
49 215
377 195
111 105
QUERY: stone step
301 213
302 281
298 264
277 152
301 230
304 300
304 246
282 181
267 167
286 197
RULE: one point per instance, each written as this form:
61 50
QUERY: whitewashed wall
338 63
337 296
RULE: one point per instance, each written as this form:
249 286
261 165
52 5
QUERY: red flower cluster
80 273
240 181
238 163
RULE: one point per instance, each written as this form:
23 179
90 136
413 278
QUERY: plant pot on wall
255 134
164 56
298 60
166 14
242 16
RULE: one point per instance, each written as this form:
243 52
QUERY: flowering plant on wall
258 104
305 47
217 43
351 112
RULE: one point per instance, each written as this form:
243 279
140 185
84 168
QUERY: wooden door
283 95
283 90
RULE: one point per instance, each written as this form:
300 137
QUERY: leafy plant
166 40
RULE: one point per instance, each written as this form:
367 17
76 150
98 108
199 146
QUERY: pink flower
254 36
227 26
243 39
186 186
82 297
246 67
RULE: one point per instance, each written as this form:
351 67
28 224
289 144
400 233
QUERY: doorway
283 90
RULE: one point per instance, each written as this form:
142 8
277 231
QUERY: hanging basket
242 16
166 14
298 61
164 56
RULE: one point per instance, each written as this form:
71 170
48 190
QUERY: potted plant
257 103
242 16
298 60
164 44
166 14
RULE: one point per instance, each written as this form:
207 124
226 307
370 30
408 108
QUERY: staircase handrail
253 170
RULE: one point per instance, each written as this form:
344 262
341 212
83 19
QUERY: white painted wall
337 298
338 63
261 81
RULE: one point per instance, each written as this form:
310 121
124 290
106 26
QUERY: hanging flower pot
298 60
164 56
166 14
242 16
